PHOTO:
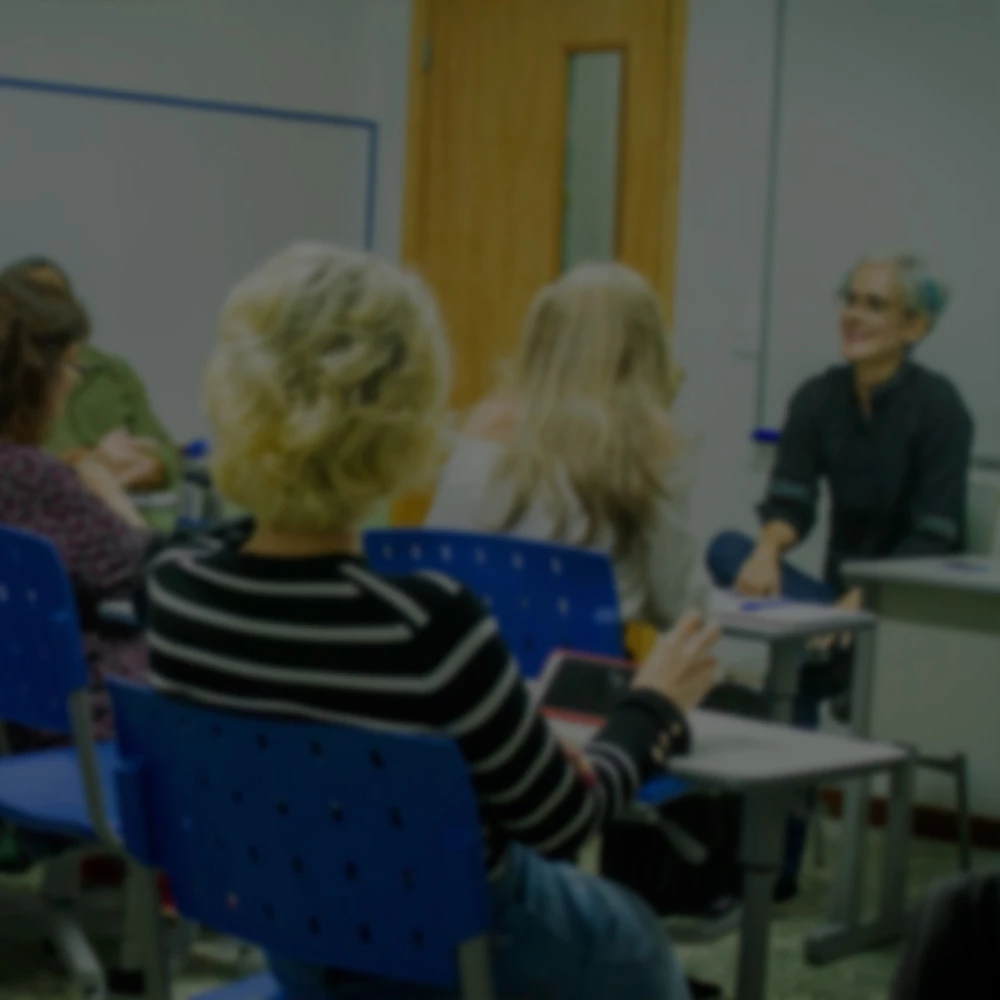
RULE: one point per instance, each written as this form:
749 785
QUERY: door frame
416 104
410 508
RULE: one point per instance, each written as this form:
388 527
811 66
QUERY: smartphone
582 688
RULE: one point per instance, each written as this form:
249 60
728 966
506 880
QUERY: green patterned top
110 396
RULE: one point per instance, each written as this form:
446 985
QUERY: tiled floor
26 973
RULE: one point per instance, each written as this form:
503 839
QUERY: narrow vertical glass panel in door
593 150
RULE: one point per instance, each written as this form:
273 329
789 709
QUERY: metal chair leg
819 832
77 955
958 767
475 969
962 806
60 899
144 958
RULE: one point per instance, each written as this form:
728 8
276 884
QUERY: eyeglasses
874 303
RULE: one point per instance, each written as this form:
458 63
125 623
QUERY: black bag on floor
641 856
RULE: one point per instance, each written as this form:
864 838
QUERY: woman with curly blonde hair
326 393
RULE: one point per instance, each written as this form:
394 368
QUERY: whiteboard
155 206
888 139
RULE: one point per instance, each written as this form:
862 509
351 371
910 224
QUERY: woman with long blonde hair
577 446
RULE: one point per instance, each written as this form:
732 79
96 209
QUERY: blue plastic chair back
41 653
197 448
544 596
337 846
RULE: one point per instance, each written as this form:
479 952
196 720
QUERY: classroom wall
729 75
345 57
333 56
721 240
350 57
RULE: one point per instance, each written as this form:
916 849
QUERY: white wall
346 57
333 56
350 57
727 103
721 241
721 238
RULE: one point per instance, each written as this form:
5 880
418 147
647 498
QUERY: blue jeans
727 553
558 934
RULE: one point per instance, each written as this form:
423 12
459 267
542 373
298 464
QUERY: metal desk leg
782 683
895 862
843 933
862 682
845 903
763 840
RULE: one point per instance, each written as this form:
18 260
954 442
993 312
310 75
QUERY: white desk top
738 754
776 620
968 573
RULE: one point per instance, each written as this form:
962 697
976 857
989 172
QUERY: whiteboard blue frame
366 125
760 433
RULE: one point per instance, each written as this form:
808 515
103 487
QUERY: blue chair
332 845
65 792
544 596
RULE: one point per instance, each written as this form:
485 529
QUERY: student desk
938 653
768 764
786 628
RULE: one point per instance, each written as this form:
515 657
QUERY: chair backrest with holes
332 845
544 596
41 652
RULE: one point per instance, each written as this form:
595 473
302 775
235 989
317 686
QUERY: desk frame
844 931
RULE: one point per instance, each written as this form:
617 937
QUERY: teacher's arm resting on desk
788 512
939 499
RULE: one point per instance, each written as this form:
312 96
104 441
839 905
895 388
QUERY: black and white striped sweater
327 639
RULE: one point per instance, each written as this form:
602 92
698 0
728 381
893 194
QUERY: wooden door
484 198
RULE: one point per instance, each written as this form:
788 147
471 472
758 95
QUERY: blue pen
773 602
967 566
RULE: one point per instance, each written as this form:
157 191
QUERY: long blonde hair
594 382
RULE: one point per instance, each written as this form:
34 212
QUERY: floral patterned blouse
103 555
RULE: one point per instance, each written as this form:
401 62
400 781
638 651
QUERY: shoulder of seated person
493 420
438 590
38 464
99 362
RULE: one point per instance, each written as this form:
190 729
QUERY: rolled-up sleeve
792 491
939 498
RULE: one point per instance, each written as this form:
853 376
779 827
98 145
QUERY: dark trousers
817 682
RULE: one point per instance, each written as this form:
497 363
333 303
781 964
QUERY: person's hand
760 575
99 480
97 477
851 601
579 762
682 665
135 462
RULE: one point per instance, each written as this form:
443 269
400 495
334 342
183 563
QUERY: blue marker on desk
968 566
763 605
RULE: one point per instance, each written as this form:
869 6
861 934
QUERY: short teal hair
922 292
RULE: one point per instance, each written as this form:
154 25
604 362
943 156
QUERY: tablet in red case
582 688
